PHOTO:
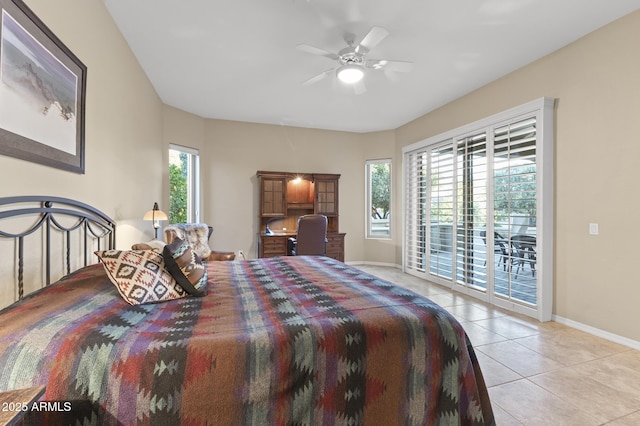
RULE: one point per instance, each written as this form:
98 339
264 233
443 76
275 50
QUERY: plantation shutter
515 202
442 204
471 259
415 193
478 209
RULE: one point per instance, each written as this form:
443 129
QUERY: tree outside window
378 176
183 185
178 188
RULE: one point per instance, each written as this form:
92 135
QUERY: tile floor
540 373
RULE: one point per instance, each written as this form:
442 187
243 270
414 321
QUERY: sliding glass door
515 208
416 214
471 211
473 216
441 201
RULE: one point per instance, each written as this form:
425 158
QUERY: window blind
441 199
415 214
471 254
472 195
515 206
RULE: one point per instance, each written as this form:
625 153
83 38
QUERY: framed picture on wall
42 92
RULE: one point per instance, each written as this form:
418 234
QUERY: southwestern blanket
283 341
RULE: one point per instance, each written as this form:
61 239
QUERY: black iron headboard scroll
91 223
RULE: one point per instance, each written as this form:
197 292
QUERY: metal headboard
91 223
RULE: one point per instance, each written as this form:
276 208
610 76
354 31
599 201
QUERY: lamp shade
155 214
350 73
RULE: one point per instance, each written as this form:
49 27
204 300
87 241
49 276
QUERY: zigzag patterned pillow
140 276
186 267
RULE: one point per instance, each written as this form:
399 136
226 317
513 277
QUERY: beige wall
595 82
123 127
128 130
123 124
235 151
184 129
231 153
381 145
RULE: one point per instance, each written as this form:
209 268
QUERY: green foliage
380 190
515 191
177 195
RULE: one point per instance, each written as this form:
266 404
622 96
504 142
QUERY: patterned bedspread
283 341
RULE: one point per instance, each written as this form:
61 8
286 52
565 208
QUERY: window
514 211
471 198
490 178
415 210
184 178
378 209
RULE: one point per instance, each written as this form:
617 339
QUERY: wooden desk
271 245
16 403
285 197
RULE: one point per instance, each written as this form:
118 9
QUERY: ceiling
237 60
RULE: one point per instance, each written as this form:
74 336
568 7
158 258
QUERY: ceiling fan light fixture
350 73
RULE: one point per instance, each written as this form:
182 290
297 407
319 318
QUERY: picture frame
42 92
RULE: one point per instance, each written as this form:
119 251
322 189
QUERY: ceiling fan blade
373 37
359 87
318 77
316 51
383 64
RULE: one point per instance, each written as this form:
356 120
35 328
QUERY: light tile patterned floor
540 373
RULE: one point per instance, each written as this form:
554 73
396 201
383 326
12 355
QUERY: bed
286 341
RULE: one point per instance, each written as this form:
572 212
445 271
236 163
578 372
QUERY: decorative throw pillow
186 267
140 276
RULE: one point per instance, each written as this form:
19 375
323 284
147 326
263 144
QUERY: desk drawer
273 246
335 246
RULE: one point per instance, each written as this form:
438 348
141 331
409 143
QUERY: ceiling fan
352 60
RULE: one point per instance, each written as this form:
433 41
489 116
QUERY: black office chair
524 251
311 238
499 247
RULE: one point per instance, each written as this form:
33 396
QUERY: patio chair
499 247
523 251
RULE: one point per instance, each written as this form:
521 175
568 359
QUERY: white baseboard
368 263
633 344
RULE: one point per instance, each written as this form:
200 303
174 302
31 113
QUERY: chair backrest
499 242
312 235
196 234
523 242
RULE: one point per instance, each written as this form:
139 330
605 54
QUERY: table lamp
156 215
